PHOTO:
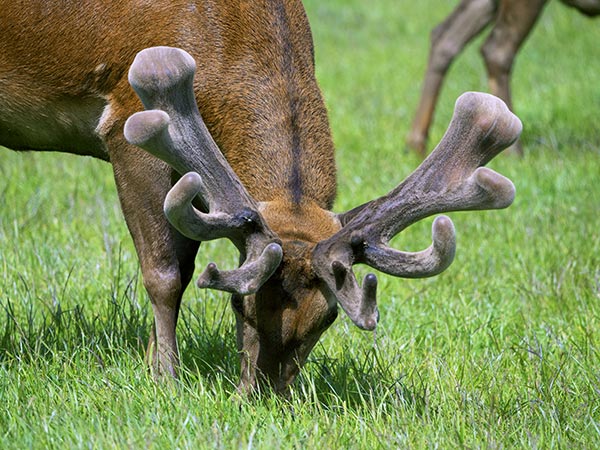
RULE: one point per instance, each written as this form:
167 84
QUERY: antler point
370 280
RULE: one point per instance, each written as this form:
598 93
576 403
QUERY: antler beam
451 179
172 129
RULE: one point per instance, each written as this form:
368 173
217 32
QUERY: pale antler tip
143 126
490 114
443 225
473 100
274 250
370 314
184 191
443 233
191 180
444 242
500 188
160 68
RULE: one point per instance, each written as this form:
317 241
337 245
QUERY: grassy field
500 351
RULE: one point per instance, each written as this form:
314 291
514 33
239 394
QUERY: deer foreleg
166 257
447 40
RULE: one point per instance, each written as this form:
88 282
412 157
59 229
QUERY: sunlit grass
501 350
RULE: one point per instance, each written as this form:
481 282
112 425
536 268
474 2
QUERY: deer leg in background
447 40
166 257
515 21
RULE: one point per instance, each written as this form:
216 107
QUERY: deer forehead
306 222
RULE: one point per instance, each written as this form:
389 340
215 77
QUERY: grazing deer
512 21
258 148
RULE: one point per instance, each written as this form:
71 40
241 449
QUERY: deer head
296 258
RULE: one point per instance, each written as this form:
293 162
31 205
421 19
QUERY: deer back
63 82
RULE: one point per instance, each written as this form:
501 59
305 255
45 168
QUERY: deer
212 119
511 23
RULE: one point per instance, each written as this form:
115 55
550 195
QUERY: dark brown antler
451 179
172 129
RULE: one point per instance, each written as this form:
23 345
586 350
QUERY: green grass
501 350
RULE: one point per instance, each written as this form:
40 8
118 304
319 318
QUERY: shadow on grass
41 331
359 380
207 347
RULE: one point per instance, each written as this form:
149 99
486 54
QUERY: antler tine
450 179
172 129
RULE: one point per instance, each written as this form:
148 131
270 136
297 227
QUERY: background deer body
512 22
64 86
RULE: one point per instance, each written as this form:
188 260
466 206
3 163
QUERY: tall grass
501 350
